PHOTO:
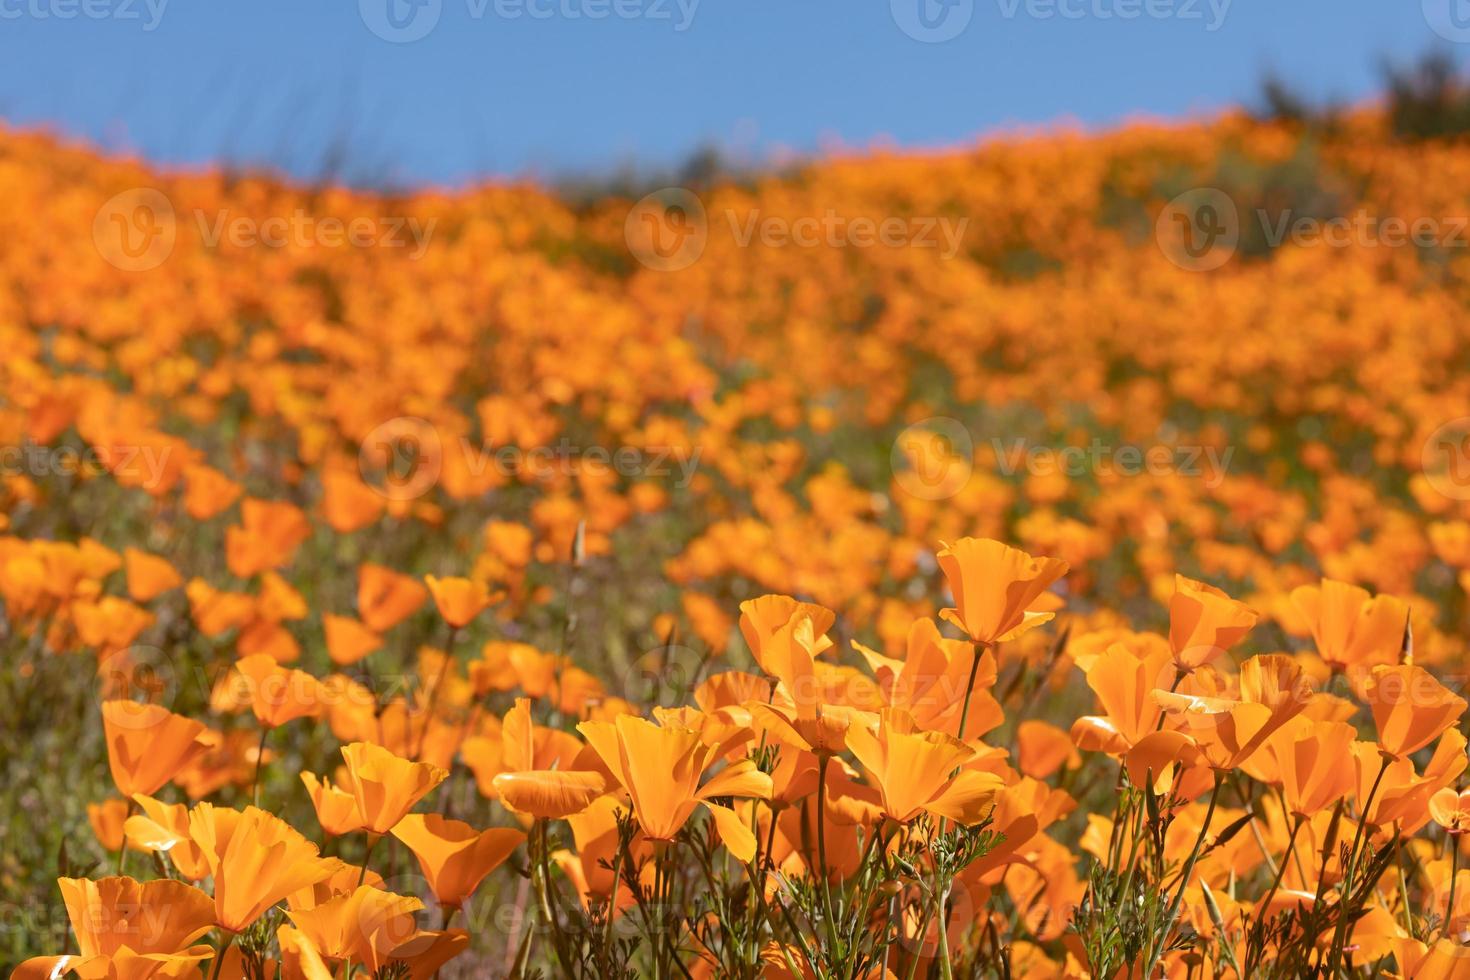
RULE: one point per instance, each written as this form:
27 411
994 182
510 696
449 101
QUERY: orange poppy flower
1350 627
995 587
148 745
106 915
347 503
1310 760
107 820
164 827
256 860
363 927
348 640
915 771
207 492
1410 708
1204 622
548 794
805 718
127 929
459 600
1229 730
761 618
1124 683
1445 960
385 598
660 768
1042 748
266 538
277 694
386 786
427 950
1451 810
300 959
216 611
595 832
454 856
149 576
336 809
931 680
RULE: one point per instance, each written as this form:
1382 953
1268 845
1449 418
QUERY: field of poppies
1046 558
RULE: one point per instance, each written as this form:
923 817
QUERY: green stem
1449 907
946 971
1285 855
822 760
1339 934
219 957
259 761
1199 841
367 856
122 849
975 649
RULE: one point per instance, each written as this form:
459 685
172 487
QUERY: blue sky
550 87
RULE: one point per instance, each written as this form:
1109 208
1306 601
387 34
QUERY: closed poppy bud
459 600
1204 622
148 575
147 745
995 587
454 856
385 786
